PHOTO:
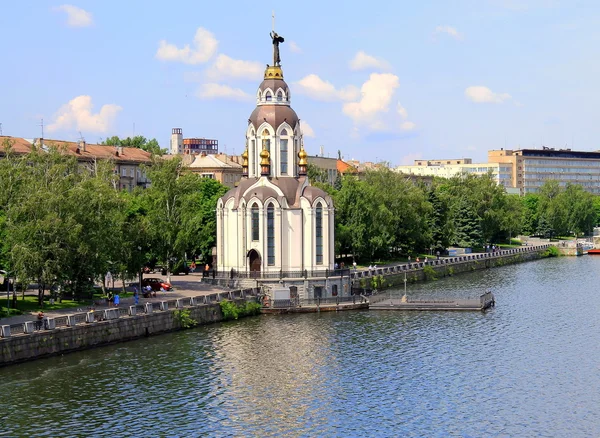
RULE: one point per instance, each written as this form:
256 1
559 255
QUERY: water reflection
527 368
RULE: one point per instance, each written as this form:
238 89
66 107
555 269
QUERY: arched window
255 222
279 96
268 96
319 234
283 155
266 140
271 235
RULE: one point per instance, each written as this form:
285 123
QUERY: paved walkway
184 286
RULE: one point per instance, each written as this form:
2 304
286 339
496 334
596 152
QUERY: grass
30 303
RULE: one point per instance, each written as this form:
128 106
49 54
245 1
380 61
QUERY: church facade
274 226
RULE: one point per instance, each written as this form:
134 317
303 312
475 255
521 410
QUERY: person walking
117 299
136 296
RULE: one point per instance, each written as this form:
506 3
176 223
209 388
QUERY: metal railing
259 275
306 302
413 266
98 315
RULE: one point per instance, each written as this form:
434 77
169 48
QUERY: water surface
529 367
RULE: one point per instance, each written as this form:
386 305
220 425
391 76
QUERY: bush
429 273
551 251
232 310
185 320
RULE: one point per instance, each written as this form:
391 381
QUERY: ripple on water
527 368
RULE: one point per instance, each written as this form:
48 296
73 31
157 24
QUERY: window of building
208 175
284 155
319 234
271 235
268 96
279 96
266 140
255 222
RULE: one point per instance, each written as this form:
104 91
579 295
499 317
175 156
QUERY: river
529 367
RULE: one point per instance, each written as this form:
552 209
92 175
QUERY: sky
377 81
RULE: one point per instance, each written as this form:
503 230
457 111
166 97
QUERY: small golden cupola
245 162
302 162
265 162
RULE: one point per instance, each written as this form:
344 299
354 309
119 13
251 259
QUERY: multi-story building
192 146
531 168
501 172
127 161
221 167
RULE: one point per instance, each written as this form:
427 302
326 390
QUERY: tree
181 213
138 141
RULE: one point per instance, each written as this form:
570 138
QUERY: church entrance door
255 263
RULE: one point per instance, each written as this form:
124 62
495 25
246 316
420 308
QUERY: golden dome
245 158
273 72
302 155
265 155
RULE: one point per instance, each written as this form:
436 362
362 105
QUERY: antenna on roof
0 128
81 136
42 125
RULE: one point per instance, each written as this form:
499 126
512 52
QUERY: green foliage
138 141
450 271
184 318
429 273
551 251
378 282
231 310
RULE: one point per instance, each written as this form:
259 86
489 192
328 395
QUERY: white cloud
449 30
77 115
315 87
226 67
407 126
294 47
481 94
218 91
204 47
362 61
376 94
401 111
306 129
76 17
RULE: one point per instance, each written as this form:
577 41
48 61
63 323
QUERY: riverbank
395 276
80 331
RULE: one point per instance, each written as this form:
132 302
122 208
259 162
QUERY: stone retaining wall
458 265
61 340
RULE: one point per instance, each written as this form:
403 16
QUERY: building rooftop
91 152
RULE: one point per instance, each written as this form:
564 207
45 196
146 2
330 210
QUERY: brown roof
274 115
291 188
18 145
343 167
92 151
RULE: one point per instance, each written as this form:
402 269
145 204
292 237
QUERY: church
275 227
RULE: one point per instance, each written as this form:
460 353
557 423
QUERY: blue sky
378 80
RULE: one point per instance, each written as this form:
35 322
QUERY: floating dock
484 302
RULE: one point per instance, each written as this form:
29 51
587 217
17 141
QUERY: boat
594 251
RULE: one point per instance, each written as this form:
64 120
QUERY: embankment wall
24 347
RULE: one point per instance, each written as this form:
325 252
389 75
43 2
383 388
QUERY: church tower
274 126
274 226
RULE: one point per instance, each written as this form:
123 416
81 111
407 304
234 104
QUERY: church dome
274 115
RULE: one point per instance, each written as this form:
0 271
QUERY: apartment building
127 161
531 168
